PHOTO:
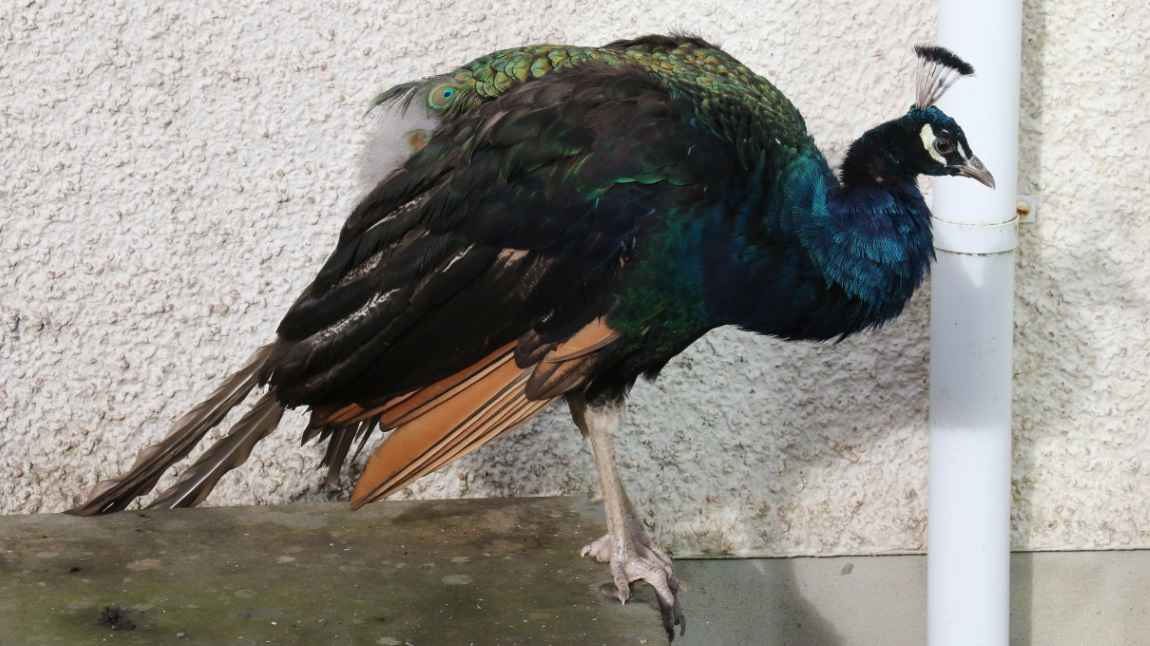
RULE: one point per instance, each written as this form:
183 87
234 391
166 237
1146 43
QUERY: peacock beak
974 168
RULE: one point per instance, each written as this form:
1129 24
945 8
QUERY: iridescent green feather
729 97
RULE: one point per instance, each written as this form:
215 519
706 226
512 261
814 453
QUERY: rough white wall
1082 353
172 176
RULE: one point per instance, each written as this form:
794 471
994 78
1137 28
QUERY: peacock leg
628 549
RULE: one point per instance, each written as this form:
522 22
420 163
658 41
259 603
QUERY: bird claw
599 548
642 562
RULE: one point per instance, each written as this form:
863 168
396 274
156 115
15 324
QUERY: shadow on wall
1071 488
1029 179
1082 312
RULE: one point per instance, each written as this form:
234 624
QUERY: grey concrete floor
1057 599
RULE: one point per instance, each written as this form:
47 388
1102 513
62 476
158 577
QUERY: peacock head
944 149
924 141
941 147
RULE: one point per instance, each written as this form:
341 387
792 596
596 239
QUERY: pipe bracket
975 239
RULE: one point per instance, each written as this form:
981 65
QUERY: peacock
552 222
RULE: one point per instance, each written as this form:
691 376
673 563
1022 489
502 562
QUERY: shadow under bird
551 222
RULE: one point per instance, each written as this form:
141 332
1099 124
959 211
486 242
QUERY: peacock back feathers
728 96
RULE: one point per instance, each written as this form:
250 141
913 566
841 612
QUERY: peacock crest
939 68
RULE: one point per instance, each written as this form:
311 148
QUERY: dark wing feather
519 216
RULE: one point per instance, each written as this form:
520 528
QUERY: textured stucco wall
172 176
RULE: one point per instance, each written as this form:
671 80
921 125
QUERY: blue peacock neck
868 244
873 242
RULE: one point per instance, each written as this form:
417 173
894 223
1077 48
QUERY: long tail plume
117 493
197 482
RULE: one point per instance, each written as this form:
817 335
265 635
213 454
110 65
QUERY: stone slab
490 571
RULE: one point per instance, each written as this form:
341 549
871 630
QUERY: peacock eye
943 146
441 96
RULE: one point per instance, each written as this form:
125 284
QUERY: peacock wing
504 240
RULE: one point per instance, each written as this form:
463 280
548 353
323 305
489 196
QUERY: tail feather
339 445
433 426
337 449
117 493
198 480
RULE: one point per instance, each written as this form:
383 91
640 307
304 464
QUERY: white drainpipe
972 299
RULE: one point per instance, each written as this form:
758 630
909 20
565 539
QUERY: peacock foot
634 559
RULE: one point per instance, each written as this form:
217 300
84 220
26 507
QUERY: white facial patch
927 135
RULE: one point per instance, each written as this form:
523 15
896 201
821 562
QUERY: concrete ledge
492 571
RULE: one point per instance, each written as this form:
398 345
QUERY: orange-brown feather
444 421
567 364
396 411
